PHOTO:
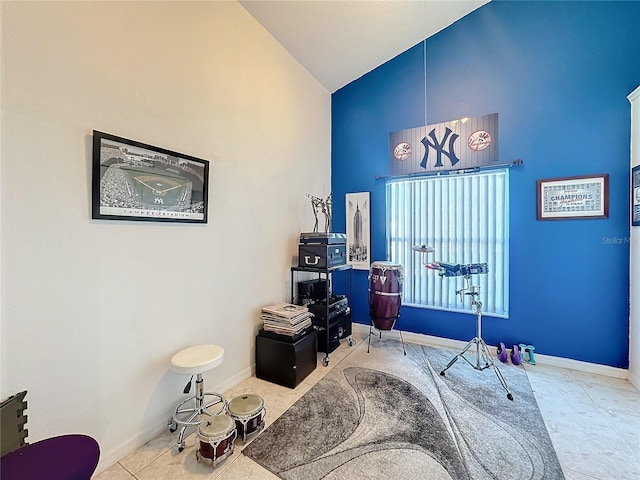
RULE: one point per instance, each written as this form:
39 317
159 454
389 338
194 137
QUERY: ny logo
439 147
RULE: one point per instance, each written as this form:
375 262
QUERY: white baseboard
130 445
133 443
587 367
107 459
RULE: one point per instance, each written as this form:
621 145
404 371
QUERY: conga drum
385 292
215 438
248 412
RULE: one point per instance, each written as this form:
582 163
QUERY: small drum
215 438
248 412
385 292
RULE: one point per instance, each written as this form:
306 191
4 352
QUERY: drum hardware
423 249
456 270
192 416
385 298
215 438
248 412
483 356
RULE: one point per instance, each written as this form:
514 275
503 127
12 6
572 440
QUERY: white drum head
216 426
383 265
245 405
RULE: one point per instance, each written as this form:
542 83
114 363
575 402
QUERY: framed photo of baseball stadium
582 197
136 181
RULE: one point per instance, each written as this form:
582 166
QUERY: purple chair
66 457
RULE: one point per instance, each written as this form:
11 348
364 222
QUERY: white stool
195 361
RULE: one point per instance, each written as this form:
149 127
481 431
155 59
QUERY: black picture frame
135 181
635 196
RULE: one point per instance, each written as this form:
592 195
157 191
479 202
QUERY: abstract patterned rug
385 415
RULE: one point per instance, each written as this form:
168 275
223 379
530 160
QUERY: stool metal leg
187 417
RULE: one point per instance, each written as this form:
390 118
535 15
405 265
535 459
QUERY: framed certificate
583 197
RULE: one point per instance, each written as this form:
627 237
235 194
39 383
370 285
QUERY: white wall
93 310
634 267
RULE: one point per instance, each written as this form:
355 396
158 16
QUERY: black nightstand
284 362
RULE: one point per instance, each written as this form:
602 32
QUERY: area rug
385 415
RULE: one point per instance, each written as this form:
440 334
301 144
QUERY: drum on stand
248 412
385 292
215 438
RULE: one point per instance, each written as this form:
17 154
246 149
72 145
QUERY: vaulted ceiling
338 41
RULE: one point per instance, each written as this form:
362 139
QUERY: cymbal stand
483 355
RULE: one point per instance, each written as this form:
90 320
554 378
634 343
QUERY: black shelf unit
326 327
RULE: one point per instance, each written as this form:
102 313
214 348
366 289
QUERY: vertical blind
466 219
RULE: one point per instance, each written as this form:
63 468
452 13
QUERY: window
465 217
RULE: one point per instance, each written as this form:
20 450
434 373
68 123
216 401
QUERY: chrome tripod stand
483 358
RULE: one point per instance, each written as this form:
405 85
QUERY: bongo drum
248 411
215 438
385 292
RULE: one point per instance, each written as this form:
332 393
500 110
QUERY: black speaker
285 363
312 290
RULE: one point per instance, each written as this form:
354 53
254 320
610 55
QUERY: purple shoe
515 355
502 353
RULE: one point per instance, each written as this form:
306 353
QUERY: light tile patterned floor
593 421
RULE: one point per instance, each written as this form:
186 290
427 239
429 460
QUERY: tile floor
593 421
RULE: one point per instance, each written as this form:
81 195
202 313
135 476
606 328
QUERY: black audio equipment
325 238
322 250
312 290
338 305
322 255
340 327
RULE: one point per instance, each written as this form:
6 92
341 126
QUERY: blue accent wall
558 74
